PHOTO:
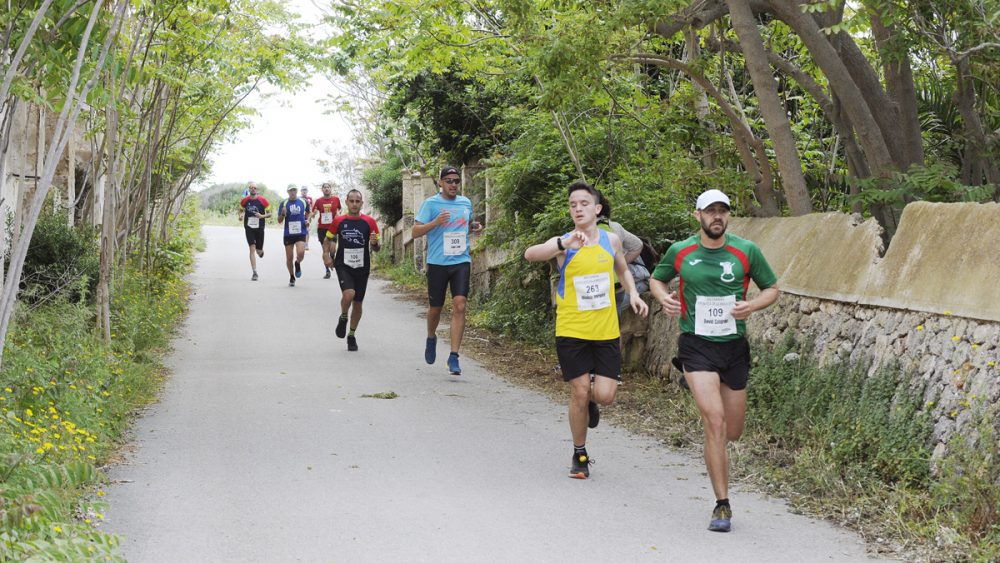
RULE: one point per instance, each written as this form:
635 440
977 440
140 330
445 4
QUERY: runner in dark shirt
355 233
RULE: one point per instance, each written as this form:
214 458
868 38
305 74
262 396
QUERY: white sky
278 150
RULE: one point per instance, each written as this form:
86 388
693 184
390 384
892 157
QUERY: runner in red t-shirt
356 236
326 208
254 210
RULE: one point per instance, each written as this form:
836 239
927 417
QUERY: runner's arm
743 309
667 299
639 306
544 251
421 229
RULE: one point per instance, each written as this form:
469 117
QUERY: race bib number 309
455 243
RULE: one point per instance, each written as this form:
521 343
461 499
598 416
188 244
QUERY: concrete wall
941 259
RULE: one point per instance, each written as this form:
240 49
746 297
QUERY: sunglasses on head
452 181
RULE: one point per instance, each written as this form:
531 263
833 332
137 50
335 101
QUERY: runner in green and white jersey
715 271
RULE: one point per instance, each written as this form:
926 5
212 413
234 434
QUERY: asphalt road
263 448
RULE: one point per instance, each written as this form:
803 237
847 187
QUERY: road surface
263 448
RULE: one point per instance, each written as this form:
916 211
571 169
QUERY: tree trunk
701 108
982 169
771 107
902 92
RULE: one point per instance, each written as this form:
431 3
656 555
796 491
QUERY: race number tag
455 243
593 291
326 217
253 222
295 228
354 257
713 316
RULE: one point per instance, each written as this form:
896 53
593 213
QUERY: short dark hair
354 191
581 185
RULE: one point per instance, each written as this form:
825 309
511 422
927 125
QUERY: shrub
61 260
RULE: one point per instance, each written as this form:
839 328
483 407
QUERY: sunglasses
452 181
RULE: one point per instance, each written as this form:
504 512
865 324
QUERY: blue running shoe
298 270
430 351
453 366
721 518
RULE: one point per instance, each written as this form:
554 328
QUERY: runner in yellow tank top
586 318
585 297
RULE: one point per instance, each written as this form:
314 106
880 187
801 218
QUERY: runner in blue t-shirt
447 220
294 213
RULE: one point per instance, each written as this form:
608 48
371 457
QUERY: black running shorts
353 278
290 240
440 277
321 234
731 359
582 357
255 237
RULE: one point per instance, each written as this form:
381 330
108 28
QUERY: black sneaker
581 466
253 277
595 415
721 518
260 254
291 281
341 327
352 344
327 276
298 270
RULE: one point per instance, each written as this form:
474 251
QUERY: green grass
404 274
66 398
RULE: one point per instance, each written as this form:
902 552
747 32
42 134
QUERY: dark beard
709 234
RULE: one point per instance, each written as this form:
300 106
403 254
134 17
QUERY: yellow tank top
585 296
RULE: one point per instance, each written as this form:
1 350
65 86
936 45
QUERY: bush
65 400
61 260
874 423
384 183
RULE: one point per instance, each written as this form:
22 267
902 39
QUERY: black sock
578 450
454 354
722 502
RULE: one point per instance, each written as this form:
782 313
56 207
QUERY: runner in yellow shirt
586 317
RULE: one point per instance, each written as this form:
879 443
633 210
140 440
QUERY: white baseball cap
711 196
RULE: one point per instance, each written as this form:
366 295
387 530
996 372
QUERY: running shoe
253 277
581 466
352 344
298 270
327 276
291 281
341 327
453 366
721 518
595 415
430 350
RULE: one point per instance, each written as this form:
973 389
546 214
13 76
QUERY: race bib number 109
713 316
